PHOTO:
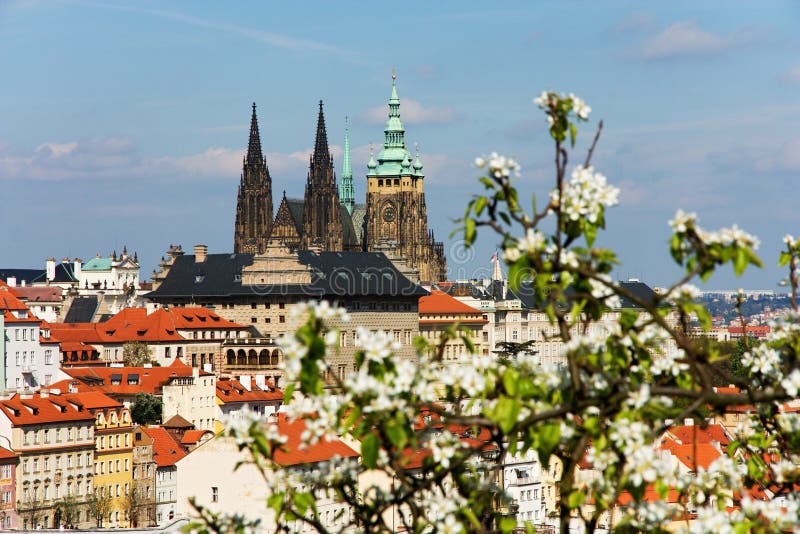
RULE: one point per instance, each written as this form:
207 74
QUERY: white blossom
585 195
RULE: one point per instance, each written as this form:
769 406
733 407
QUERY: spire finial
394 74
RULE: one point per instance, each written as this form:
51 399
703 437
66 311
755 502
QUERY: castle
393 220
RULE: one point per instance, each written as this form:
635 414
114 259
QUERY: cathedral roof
333 274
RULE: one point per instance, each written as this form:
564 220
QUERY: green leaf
510 380
590 232
288 393
480 205
469 232
396 431
576 499
508 524
505 413
784 259
369 450
573 133
275 501
740 260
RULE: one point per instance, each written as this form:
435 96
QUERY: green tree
605 407
135 353
146 409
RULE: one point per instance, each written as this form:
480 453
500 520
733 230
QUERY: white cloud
412 111
685 38
792 76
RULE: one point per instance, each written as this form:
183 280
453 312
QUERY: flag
494 257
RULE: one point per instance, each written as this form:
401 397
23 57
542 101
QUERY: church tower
347 192
397 218
322 217
254 202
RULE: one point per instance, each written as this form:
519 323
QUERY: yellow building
113 467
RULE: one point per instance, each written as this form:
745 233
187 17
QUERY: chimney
44 393
76 268
11 281
200 252
261 382
245 381
73 387
688 421
51 269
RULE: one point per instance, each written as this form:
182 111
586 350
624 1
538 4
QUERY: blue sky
125 122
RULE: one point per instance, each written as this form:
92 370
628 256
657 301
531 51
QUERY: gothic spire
254 156
321 144
346 190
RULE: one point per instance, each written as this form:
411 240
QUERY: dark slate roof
296 208
349 237
527 295
333 274
81 310
65 273
459 289
29 275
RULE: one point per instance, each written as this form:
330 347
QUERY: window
253 320
48 357
17 357
281 318
214 494
24 335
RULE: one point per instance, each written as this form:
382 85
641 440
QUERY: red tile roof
166 451
290 453
149 379
231 391
692 455
440 303
9 300
134 324
686 434
37 410
190 437
6 454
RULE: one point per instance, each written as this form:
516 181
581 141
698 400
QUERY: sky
124 123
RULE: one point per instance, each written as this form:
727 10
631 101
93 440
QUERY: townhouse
53 437
31 356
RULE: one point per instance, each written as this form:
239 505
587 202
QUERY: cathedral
393 220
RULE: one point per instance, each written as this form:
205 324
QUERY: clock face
388 214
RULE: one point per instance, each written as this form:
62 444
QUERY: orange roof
132 380
291 453
650 495
134 324
232 391
439 302
692 455
6 454
37 410
76 346
686 434
9 300
190 437
166 451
